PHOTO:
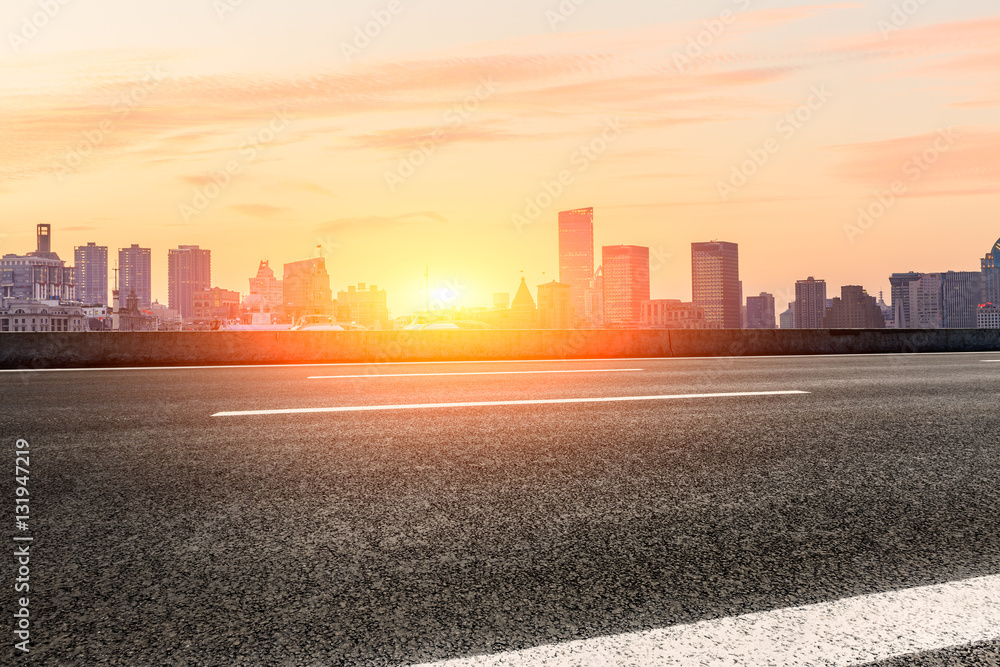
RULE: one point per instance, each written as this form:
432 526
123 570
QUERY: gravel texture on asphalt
166 536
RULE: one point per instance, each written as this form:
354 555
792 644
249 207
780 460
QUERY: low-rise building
26 316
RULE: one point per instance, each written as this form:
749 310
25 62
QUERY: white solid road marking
424 375
485 404
853 631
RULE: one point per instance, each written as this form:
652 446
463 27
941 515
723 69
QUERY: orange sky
434 144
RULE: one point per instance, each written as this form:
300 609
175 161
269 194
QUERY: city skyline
816 166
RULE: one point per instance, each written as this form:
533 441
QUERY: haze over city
435 138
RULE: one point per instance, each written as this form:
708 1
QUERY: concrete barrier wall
82 350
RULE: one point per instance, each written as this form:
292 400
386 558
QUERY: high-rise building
189 270
91 263
760 311
961 294
853 309
576 254
926 309
555 307
626 284
306 289
787 319
38 275
810 303
135 273
900 296
991 275
715 282
593 306
365 305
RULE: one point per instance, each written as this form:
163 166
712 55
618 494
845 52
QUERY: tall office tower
715 283
576 255
626 284
810 303
135 274
306 289
91 263
926 300
189 270
555 307
787 318
991 276
854 309
760 311
961 294
900 297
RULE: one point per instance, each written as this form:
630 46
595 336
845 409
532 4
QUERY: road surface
513 512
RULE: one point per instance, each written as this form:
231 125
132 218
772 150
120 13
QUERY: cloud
264 211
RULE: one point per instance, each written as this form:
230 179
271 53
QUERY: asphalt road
166 535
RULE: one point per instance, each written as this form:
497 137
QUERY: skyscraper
135 274
991 275
91 267
189 270
901 297
626 284
926 301
715 282
961 294
760 311
266 287
810 303
576 255
854 309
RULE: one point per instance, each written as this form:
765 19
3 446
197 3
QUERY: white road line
991 361
485 404
853 631
424 375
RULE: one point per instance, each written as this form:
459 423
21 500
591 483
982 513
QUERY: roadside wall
83 350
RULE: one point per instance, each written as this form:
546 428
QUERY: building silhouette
672 314
961 294
991 275
555 306
900 296
189 270
626 284
38 275
715 283
787 319
760 311
854 309
306 290
810 303
265 290
364 305
135 273
216 304
91 277
576 255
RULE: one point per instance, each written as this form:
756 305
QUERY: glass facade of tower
91 264
626 284
189 270
991 275
715 282
576 255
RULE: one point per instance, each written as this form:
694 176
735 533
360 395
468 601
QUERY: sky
840 140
